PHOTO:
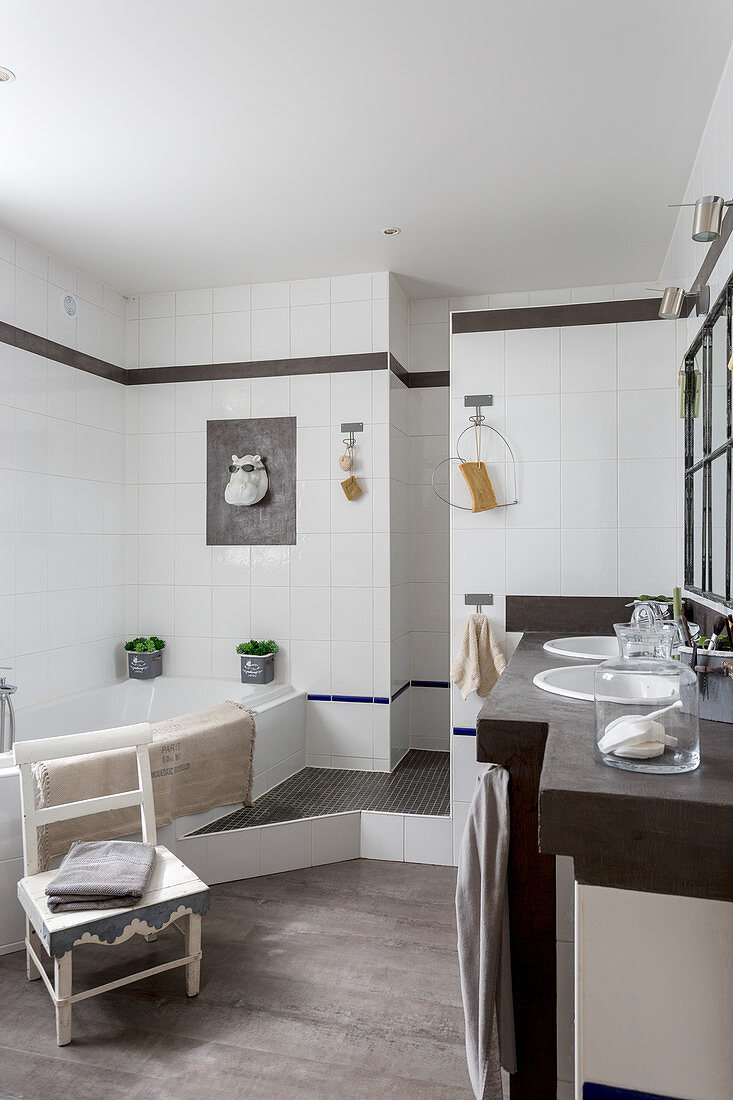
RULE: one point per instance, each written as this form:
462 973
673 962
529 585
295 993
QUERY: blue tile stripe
464 731
317 698
610 1092
348 698
400 691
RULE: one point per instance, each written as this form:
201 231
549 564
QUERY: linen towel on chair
110 874
480 661
198 761
482 910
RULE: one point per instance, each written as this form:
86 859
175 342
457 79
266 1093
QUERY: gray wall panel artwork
270 522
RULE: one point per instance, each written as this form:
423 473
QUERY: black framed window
709 455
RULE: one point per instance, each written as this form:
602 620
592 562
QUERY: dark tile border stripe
464 731
260 368
566 614
398 370
611 1092
209 372
713 253
582 313
428 379
419 379
49 349
430 683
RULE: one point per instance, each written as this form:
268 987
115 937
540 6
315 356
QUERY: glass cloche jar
647 704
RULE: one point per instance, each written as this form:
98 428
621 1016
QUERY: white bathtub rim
288 693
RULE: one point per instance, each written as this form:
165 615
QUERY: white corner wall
325 600
62 478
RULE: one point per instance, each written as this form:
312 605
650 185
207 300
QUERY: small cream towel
480 661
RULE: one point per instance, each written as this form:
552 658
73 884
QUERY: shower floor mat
420 784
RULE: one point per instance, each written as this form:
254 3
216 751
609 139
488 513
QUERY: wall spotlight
708 217
673 298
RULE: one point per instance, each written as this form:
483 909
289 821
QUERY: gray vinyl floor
330 983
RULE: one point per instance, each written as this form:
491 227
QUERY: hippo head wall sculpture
248 481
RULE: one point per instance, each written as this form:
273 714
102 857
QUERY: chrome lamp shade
708 218
672 301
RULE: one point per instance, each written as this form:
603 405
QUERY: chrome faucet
646 612
6 705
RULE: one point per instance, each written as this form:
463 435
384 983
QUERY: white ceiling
167 144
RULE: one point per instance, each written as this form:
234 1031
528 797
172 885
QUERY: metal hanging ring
476 421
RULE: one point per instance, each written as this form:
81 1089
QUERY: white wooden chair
174 892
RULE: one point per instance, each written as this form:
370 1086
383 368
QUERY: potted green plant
258 661
145 657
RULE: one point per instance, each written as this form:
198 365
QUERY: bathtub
279 752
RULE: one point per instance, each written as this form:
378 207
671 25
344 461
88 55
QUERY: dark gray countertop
664 833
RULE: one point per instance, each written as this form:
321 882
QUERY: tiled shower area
420 784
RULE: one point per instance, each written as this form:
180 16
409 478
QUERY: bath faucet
6 705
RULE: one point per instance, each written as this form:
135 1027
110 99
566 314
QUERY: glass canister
647 704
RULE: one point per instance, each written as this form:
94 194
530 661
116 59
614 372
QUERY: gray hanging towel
482 909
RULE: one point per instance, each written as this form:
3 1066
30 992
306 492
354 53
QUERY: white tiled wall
399 442
591 416
311 317
429 567
326 599
32 286
590 413
62 477
712 174
532 392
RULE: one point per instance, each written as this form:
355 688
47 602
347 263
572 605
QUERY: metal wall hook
478 600
476 423
351 428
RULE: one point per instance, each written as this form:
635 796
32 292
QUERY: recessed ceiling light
6 75
391 231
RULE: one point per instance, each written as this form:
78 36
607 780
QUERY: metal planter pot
144 666
258 670
716 688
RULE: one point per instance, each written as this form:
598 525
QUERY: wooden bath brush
477 478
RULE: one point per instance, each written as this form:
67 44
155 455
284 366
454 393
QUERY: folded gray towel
101 874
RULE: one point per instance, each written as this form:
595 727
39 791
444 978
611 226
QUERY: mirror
709 456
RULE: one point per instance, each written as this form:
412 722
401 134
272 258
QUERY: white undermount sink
591 648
